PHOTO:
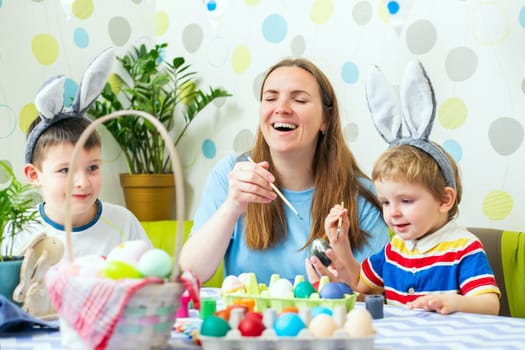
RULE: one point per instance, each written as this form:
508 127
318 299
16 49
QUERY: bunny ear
383 105
93 81
49 100
418 101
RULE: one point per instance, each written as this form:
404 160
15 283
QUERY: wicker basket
146 322
149 315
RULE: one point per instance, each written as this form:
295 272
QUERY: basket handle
177 169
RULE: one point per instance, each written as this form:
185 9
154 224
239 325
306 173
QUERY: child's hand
331 224
440 303
487 303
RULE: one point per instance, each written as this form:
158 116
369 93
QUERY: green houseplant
166 89
16 211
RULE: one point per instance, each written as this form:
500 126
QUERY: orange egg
248 302
224 314
291 309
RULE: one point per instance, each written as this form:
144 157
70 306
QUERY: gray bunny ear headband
417 113
49 100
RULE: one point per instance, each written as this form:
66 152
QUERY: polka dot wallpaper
473 51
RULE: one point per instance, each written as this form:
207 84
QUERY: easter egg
231 284
224 314
244 278
317 310
288 325
331 290
282 288
213 326
345 288
292 309
318 248
89 266
155 263
128 251
322 326
119 269
251 325
303 290
359 323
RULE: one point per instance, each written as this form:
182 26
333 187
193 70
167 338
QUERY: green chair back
506 253
513 260
163 235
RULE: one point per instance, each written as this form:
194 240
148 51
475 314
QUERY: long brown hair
335 172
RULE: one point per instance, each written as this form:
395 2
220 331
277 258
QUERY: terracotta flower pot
150 197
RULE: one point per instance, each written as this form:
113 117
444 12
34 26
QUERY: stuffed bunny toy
417 113
49 100
40 254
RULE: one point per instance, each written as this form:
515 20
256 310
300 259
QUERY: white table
401 328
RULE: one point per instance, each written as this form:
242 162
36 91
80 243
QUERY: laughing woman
300 150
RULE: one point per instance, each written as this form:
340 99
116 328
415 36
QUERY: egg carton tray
264 301
304 341
263 298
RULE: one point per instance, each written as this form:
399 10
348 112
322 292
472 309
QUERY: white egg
322 326
359 323
231 284
282 288
155 263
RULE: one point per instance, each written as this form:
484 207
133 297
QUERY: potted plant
16 211
167 90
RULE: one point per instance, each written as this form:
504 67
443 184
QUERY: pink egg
129 251
322 326
231 284
88 266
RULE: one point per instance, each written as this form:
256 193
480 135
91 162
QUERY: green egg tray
260 293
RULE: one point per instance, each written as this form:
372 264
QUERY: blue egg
318 310
331 290
288 325
345 288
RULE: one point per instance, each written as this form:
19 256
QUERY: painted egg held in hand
318 249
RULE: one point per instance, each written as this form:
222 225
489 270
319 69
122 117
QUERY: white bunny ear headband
49 100
418 105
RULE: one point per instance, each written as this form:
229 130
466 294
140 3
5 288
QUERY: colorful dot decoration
479 85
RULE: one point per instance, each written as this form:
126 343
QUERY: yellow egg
119 269
359 323
322 326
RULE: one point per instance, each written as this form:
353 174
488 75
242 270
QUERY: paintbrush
339 222
279 193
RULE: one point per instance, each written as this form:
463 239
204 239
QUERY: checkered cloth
91 306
